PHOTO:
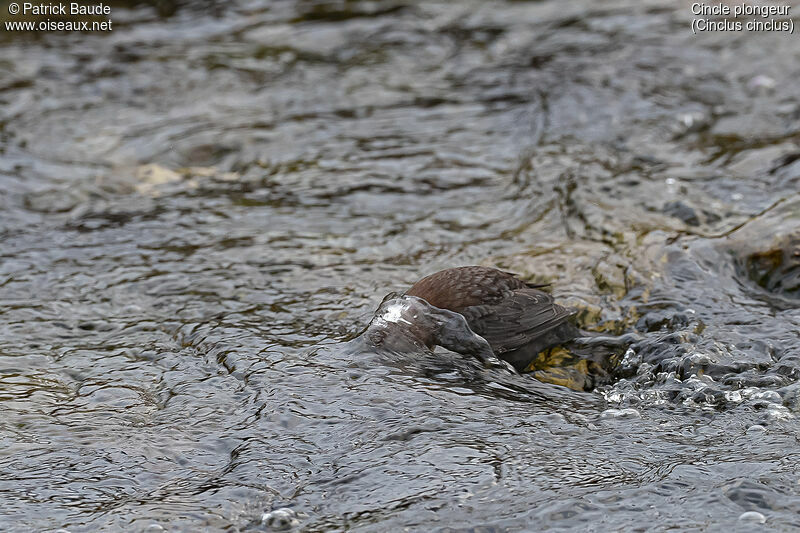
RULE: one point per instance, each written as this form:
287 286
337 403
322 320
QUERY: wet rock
777 269
766 254
735 129
150 177
750 494
55 200
682 211
761 160
658 320
790 396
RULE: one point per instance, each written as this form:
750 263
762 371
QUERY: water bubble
283 518
756 428
621 413
752 516
654 397
733 396
749 392
631 359
613 396
692 121
761 82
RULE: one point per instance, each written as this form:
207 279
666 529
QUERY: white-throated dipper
473 310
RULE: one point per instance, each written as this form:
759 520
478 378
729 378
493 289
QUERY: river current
200 208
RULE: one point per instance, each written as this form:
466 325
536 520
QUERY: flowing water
200 207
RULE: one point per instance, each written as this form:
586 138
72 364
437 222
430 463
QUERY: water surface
200 207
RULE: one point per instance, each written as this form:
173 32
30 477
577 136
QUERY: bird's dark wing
526 315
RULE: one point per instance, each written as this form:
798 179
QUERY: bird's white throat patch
394 313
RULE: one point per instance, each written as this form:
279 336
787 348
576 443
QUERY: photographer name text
60 10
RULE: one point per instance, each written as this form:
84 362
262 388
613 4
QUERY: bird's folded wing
519 319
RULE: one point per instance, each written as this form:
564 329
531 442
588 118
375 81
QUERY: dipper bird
516 319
